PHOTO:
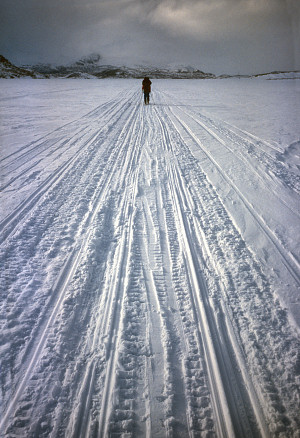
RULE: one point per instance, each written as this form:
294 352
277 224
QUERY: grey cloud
216 35
211 19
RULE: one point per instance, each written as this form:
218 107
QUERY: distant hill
280 75
94 66
274 75
9 70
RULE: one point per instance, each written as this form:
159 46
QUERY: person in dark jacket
146 87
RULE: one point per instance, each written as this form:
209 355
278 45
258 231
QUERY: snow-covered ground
150 259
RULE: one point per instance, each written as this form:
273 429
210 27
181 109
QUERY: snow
281 75
150 258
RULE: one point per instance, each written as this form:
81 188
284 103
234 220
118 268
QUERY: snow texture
150 259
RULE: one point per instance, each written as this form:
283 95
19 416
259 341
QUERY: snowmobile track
142 307
218 362
289 259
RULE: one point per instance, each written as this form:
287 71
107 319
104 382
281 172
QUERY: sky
217 36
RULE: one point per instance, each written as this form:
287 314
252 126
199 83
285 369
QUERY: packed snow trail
131 304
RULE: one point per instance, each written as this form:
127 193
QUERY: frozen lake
150 258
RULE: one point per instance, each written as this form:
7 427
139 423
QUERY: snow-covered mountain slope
148 255
280 75
94 66
9 70
99 68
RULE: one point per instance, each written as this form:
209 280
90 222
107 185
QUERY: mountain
95 66
280 75
9 70
274 75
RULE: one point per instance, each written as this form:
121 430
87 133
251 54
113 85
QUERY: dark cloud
216 35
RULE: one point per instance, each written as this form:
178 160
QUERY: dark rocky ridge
9 70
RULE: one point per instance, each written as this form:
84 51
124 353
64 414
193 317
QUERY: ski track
138 310
289 259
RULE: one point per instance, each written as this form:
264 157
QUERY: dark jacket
147 85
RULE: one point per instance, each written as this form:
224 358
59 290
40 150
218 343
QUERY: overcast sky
218 36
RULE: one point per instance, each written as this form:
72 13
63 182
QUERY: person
146 88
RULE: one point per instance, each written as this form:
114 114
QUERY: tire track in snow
159 398
175 370
288 258
79 168
105 327
107 331
165 389
8 224
135 351
153 247
47 146
120 285
198 404
221 409
228 405
256 289
66 275
36 352
107 109
233 143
